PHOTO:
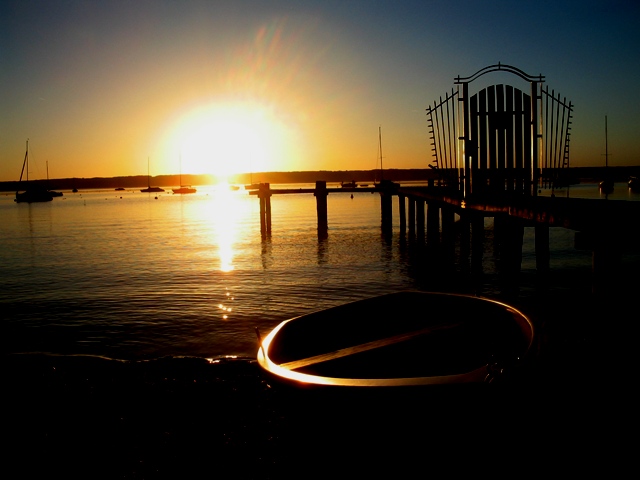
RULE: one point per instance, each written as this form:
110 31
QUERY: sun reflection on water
224 216
226 308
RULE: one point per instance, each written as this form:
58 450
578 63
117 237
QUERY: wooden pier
434 216
264 193
493 152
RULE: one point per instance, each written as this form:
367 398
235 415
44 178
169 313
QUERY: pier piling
602 225
321 195
264 193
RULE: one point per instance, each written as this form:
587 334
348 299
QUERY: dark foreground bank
570 409
81 417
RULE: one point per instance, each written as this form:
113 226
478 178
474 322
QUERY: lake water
129 275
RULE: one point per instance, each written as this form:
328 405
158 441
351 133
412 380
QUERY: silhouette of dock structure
494 152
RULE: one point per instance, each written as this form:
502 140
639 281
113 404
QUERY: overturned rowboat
400 339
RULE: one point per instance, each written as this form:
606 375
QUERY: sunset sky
102 88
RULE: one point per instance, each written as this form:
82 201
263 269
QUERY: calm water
127 275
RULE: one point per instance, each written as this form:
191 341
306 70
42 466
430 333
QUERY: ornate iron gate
496 140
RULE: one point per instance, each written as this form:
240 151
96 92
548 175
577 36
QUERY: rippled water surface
130 275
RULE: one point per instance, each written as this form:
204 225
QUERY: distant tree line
575 174
141 181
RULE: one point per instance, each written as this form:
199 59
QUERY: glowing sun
225 139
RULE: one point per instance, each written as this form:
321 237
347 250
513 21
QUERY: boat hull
399 339
32 196
184 190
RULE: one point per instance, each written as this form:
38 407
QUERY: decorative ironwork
556 141
496 140
443 128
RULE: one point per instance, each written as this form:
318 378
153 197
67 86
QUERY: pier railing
428 215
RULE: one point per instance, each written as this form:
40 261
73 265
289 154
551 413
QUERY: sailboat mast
380 148
25 162
606 143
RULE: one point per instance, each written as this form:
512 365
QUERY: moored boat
183 189
31 193
149 188
400 339
52 192
34 194
152 189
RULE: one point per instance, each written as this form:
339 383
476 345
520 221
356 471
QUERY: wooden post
263 223
433 225
465 182
532 182
465 241
264 193
267 202
321 195
477 243
420 226
386 205
401 212
412 217
448 236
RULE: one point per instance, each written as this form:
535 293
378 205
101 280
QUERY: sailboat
251 185
53 194
183 188
379 183
31 193
149 187
606 185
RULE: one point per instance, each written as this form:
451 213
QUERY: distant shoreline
574 175
142 181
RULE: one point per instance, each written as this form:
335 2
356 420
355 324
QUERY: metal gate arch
492 141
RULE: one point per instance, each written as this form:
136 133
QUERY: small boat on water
351 184
183 189
149 188
52 192
399 339
152 189
31 193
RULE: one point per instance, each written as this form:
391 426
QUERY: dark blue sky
99 86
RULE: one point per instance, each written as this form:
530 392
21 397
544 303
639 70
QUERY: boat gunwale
482 374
